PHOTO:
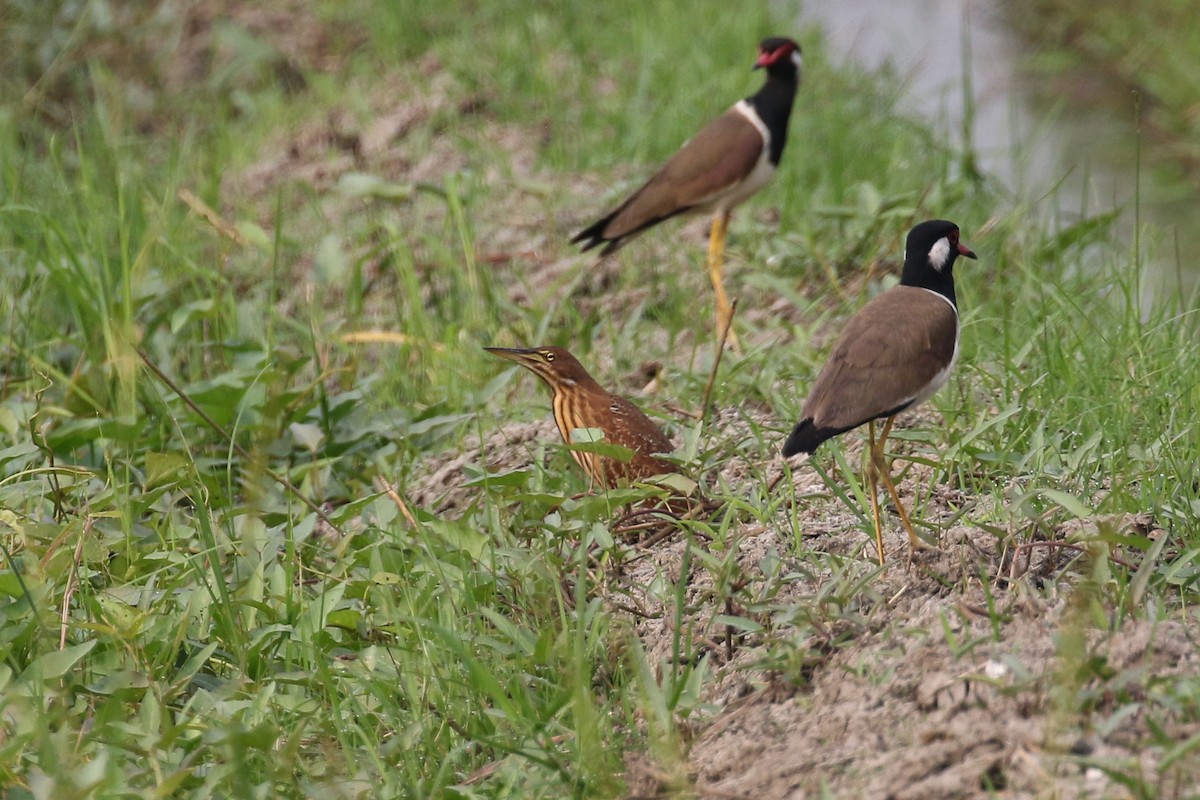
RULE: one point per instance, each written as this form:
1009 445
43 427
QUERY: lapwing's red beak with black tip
726 162
892 355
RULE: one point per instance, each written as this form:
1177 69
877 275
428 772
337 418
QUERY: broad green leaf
1069 503
57 663
740 623
307 435
360 184
162 467
677 482
183 315
254 234
514 477
18 451
331 262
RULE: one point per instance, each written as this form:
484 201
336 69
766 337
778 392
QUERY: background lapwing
726 162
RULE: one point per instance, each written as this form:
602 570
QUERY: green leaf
10 582
307 435
163 467
254 234
1141 578
601 536
430 423
55 664
125 618
1184 570
1177 752
536 499
586 435
514 477
869 200
183 315
18 451
360 184
331 262
677 482
120 681
1069 502
8 421
740 623
591 440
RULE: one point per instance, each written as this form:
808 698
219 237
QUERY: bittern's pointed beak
963 250
521 355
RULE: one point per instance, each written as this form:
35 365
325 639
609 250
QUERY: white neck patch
747 111
797 60
939 254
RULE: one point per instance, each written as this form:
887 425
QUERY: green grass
175 621
1148 48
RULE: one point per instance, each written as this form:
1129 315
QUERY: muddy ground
904 688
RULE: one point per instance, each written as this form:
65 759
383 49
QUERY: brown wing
713 161
623 423
889 352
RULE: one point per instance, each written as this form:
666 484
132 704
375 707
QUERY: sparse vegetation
311 235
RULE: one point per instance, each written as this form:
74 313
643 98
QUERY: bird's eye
549 356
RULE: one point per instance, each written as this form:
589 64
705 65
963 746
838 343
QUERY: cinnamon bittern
726 162
580 402
894 354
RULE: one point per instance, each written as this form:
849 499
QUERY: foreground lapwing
722 165
893 354
580 402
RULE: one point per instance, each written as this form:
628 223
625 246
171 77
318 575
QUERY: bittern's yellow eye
548 355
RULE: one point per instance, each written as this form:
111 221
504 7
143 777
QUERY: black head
929 255
779 56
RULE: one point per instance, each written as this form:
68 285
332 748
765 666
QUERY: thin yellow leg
914 542
716 255
872 470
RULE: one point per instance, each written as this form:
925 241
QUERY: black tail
806 437
593 236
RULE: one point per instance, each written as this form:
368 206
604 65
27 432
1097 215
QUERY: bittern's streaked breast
580 402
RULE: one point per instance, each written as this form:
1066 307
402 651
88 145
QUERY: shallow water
1065 156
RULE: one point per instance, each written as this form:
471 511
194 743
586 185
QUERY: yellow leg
914 542
716 254
872 471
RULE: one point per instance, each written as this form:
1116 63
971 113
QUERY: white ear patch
939 254
797 60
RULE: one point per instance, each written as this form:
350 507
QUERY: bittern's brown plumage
893 355
726 162
580 402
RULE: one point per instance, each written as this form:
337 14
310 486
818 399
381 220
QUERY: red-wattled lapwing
729 160
893 354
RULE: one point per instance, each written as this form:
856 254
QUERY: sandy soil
904 689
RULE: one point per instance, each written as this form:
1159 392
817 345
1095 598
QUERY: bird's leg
716 255
914 542
872 470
